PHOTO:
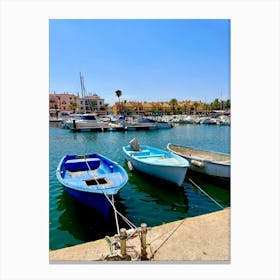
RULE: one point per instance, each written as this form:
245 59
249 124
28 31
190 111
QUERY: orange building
63 101
67 102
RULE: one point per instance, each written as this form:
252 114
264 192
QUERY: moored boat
85 122
155 162
92 179
206 162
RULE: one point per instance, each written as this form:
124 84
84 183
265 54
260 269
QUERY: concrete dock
204 238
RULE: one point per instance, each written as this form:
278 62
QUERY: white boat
85 122
188 119
207 120
206 162
163 124
155 162
147 123
223 120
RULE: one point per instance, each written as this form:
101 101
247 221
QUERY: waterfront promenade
204 238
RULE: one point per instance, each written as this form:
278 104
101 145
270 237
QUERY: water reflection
82 222
161 192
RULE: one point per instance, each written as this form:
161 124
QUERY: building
62 102
90 103
67 102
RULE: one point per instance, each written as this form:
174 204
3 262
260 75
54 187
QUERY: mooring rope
166 239
129 223
205 193
122 216
116 216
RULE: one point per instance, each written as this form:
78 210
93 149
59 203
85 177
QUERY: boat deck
75 179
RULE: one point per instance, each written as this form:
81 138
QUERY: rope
116 217
123 217
114 208
89 169
165 240
205 193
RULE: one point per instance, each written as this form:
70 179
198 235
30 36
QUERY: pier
204 238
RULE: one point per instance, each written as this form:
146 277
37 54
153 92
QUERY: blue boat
92 179
155 162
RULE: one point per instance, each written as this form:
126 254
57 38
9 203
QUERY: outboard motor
134 145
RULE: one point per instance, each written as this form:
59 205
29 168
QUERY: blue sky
148 60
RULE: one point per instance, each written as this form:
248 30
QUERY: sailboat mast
83 90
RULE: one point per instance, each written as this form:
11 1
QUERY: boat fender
130 166
197 163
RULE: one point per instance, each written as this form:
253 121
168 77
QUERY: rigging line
205 193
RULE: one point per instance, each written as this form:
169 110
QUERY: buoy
197 163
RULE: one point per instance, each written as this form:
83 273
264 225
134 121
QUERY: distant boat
84 122
90 178
206 162
155 162
55 119
147 123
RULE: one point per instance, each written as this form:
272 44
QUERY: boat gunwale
195 157
112 190
142 160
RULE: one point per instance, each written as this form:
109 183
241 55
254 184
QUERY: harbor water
144 199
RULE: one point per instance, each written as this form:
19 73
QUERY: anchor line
205 193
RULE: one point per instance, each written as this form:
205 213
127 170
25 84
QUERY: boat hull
92 179
220 170
160 164
93 200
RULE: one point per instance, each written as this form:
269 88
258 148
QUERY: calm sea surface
144 199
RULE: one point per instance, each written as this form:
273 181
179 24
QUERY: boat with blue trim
93 179
156 162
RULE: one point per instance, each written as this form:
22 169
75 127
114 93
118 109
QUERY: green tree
215 105
195 104
73 106
93 103
227 104
106 106
173 102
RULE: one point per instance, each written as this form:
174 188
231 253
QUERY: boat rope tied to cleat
205 193
118 248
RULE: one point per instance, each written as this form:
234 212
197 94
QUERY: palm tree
173 102
118 94
195 106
